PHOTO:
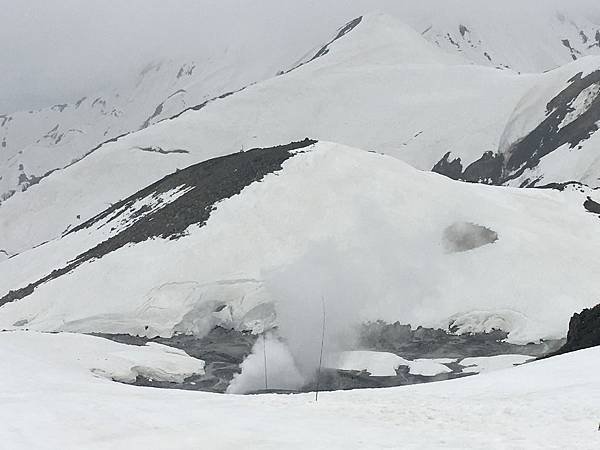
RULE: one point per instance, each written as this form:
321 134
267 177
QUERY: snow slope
205 246
93 356
35 143
50 403
571 115
517 33
550 138
381 86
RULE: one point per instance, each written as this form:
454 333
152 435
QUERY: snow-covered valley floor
50 399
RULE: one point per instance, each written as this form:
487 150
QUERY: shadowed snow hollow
464 236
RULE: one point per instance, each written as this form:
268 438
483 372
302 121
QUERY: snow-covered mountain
380 85
549 139
212 237
520 35
411 197
35 143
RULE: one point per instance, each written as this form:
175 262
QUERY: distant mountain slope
34 143
202 247
550 138
377 84
522 35
380 86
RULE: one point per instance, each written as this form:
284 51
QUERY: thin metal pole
321 355
265 359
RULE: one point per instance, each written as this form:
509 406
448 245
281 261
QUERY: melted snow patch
465 236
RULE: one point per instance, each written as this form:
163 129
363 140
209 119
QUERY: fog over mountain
59 50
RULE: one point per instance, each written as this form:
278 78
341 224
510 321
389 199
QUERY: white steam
280 368
387 272
322 285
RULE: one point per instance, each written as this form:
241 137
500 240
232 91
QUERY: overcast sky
57 50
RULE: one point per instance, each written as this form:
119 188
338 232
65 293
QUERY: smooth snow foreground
48 401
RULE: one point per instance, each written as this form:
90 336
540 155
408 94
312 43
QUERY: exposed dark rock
487 169
552 133
179 91
6 195
597 43
156 113
341 33
211 181
325 49
562 186
203 104
452 41
50 133
161 151
574 52
436 343
592 206
584 331
186 69
224 350
452 169
59 108
99 101
34 179
336 380
79 102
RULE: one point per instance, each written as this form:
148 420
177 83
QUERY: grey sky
57 50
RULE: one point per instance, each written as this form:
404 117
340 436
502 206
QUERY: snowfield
382 198
103 358
381 364
382 87
297 235
53 402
